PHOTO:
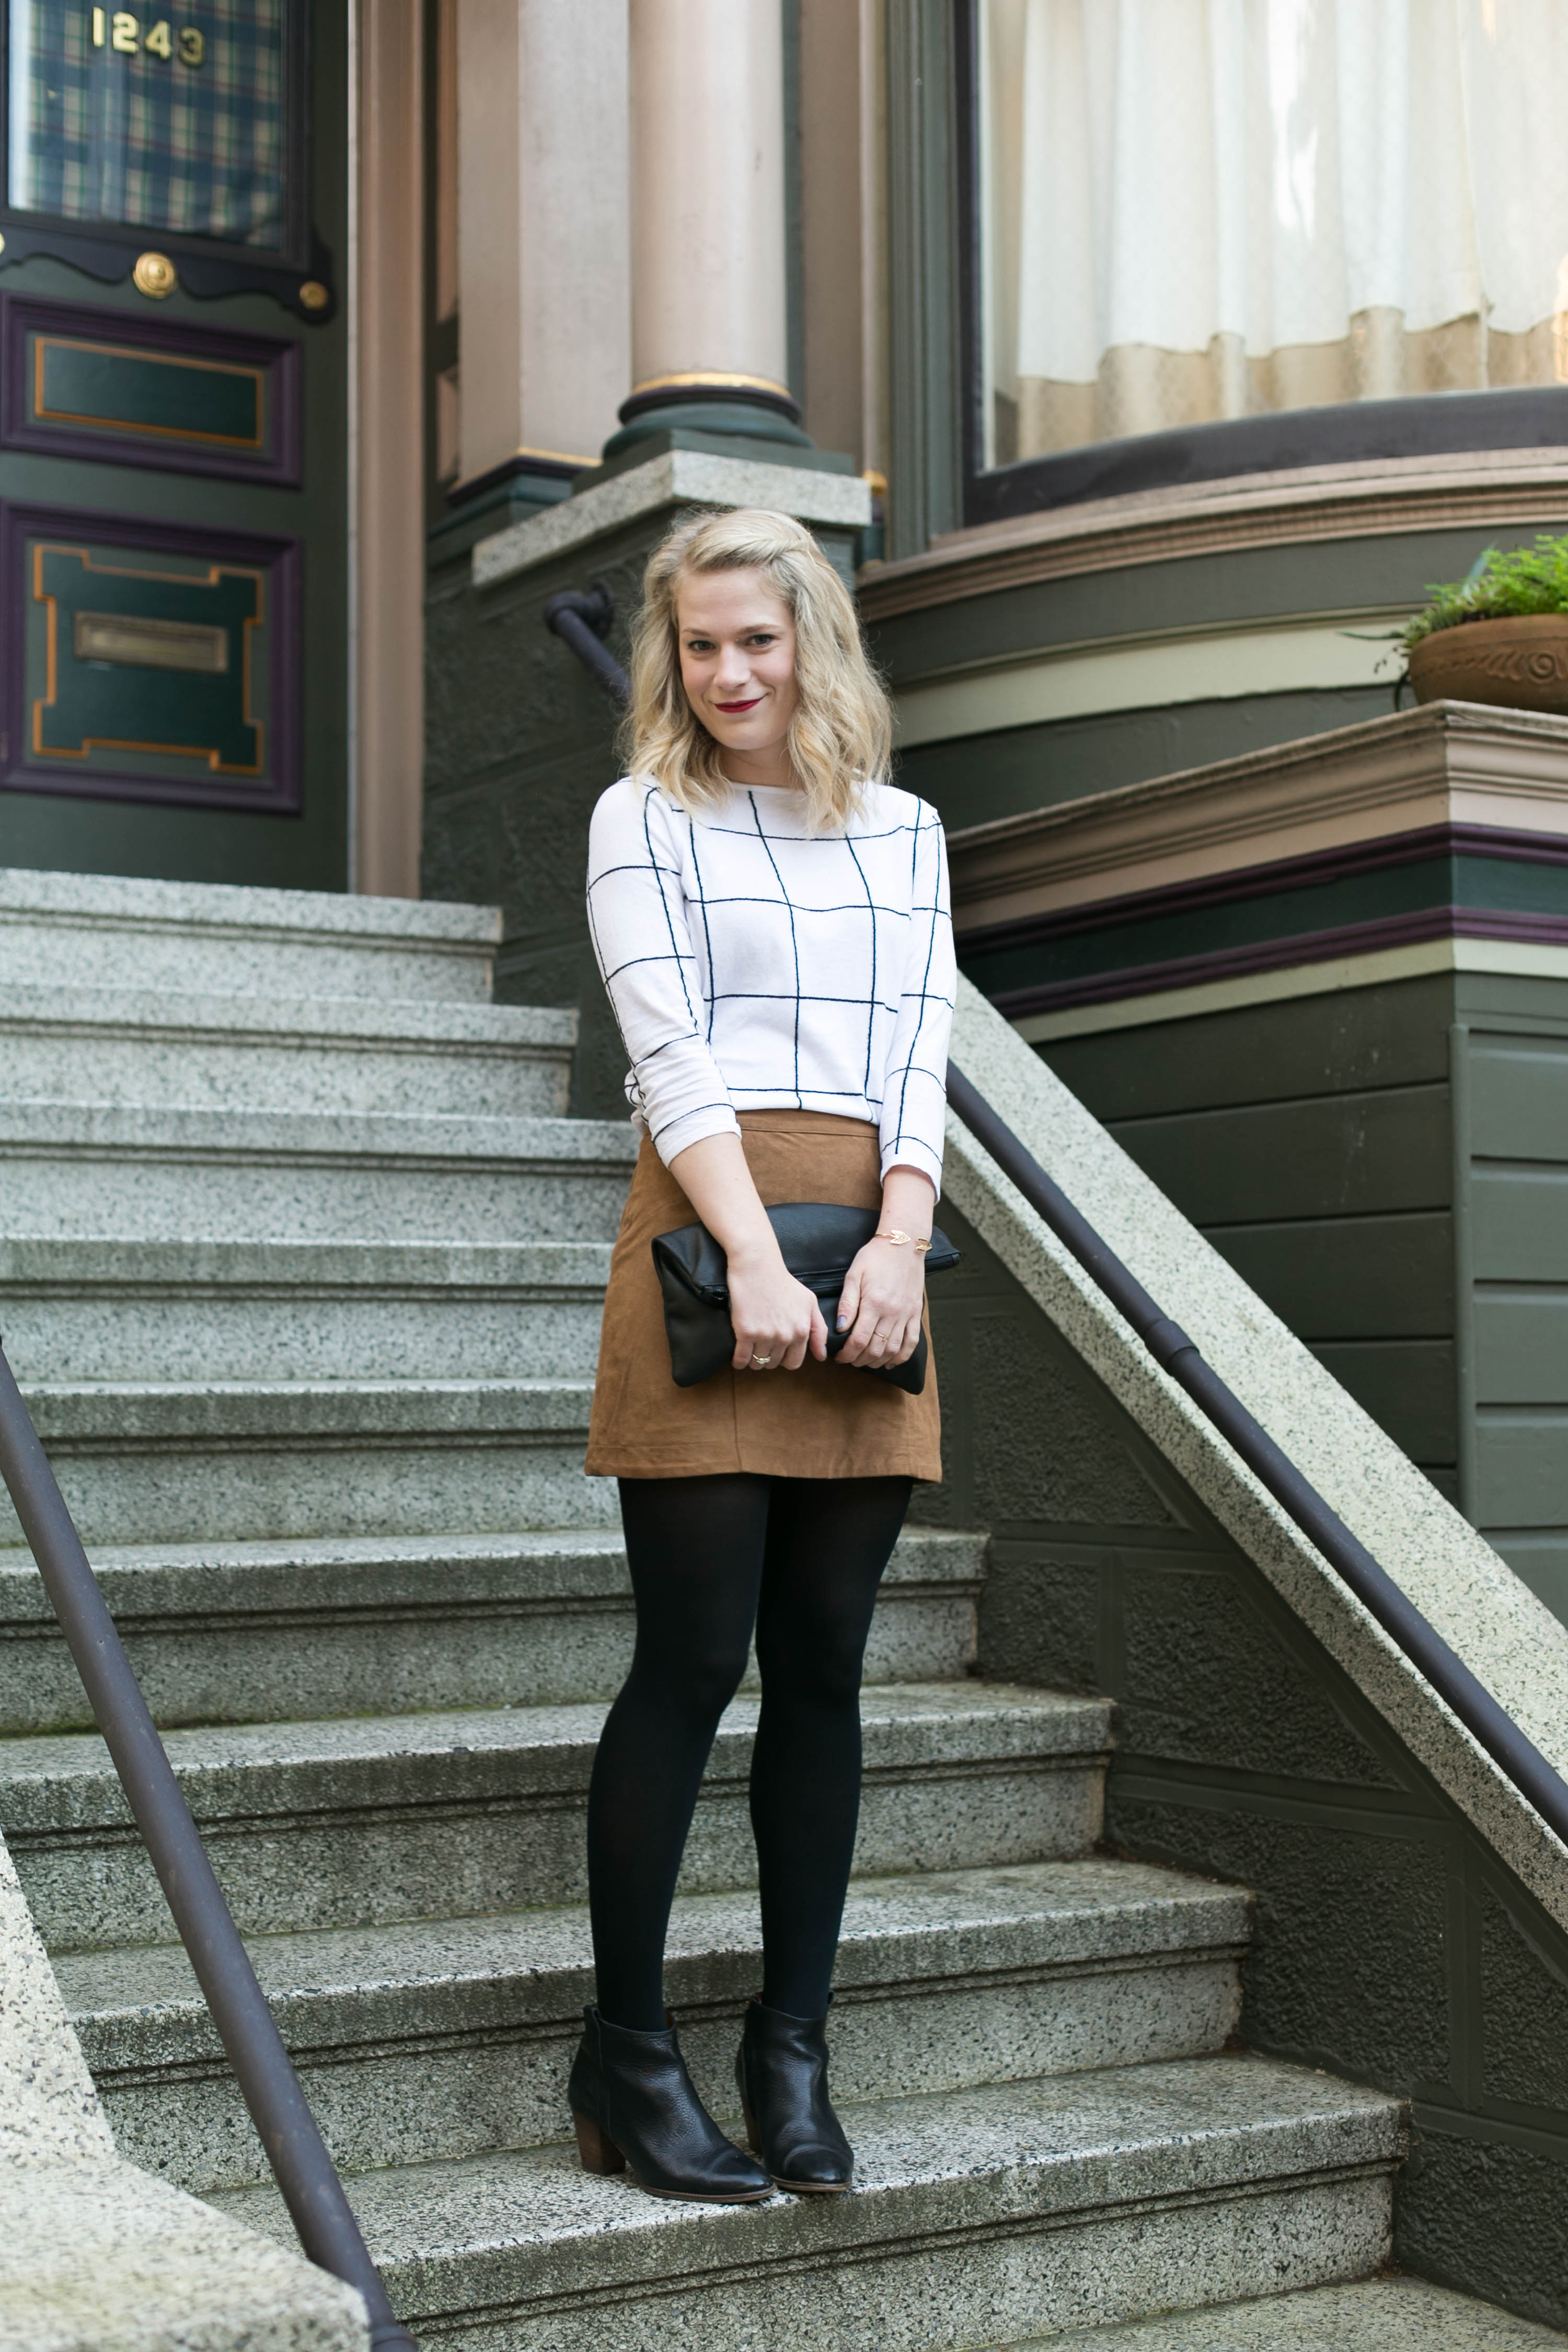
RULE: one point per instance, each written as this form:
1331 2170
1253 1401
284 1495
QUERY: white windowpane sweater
755 966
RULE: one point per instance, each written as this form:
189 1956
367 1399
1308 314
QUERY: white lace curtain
1205 208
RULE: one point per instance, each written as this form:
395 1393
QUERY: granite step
368 1821
129 1172
332 1626
1383 2314
96 930
230 1052
455 2038
977 2215
100 1309
143 1462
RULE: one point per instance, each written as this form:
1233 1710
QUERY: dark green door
174 415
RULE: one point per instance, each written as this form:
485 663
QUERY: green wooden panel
1519 1099
103 680
1522 1467
974 778
1518 1225
1350 1277
1541 1560
1360 1154
1406 1385
80 383
1347 1041
1522 1347
1511 1000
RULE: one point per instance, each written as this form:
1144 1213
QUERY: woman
771 920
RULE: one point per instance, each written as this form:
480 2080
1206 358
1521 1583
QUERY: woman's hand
885 1288
776 1318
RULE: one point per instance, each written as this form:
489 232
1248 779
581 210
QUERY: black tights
801 1560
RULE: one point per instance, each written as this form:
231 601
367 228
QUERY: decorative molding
1278 879
278 793
1446 763
1515 488
273 359
1342 943
1387 968
1309 654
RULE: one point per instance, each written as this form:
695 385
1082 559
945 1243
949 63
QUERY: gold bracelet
920 1247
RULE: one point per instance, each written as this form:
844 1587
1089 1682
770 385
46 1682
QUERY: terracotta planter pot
1521 662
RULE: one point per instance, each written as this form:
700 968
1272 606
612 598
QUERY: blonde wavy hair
840 737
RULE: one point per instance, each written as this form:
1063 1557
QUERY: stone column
710 329
544 300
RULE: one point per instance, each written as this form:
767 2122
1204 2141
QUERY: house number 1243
123 32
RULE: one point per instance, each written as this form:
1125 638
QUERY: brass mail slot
149 644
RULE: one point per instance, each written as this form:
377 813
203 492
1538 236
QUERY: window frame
1287 440
108 250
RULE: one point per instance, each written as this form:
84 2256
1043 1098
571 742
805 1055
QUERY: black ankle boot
634 2108
782 2069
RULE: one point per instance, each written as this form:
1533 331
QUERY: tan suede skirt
826 1421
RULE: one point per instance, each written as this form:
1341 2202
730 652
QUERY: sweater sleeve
636 915
914 1101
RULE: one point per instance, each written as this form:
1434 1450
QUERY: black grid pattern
753 966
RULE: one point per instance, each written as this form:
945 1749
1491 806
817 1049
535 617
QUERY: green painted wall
1390 1945
1388 1168
1510 1064
519 742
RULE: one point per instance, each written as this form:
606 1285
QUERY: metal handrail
306 2177
583 618
1486 1720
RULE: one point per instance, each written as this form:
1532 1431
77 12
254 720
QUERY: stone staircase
300 1264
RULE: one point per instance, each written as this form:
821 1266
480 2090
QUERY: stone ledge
681 477
1387 2315
96 2256
127 901
107 2259
953 2187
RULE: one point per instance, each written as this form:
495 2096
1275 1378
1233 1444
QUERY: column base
511 492
744 410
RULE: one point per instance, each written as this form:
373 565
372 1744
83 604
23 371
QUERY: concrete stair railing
300 1269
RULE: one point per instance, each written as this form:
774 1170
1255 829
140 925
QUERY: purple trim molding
1281 874
1279 955
282 559
279 463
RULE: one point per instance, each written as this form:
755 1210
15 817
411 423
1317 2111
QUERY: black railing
306 2177
582 618
1489 1723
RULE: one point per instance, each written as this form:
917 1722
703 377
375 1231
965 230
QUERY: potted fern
1501 635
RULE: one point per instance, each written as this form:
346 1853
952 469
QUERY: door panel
173 558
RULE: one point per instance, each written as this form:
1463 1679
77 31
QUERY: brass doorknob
155 275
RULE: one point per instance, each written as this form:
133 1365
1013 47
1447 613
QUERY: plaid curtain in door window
99 134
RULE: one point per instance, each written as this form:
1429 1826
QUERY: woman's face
737 663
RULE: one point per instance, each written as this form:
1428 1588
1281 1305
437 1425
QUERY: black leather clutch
819 1241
